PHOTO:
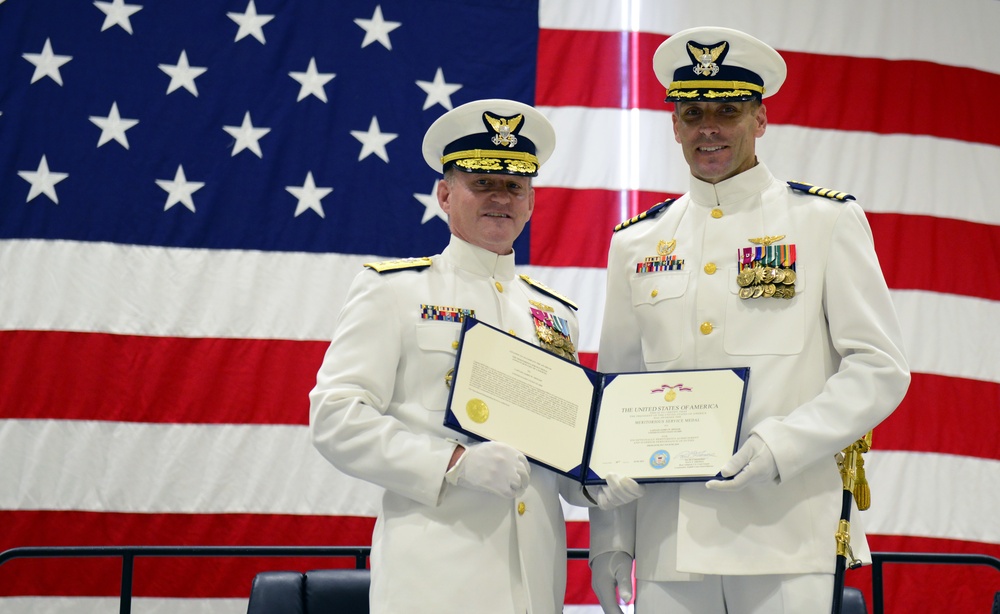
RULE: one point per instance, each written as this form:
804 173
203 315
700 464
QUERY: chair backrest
337 591
276 592
321 591
853 601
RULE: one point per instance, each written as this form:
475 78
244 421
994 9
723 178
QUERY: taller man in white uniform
777 276
464 526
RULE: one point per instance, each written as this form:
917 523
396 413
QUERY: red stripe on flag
598 61
565 215
594 76
157 379
130 378
934 417
919 252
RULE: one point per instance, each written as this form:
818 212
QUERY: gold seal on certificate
478 411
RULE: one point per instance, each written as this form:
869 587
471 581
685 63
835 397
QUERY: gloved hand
609 570
491 467
618 491
753 462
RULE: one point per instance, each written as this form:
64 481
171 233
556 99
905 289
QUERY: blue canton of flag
289 125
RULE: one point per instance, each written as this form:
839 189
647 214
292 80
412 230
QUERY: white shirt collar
479 261
733 190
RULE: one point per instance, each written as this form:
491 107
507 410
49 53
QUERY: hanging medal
767 269
553 333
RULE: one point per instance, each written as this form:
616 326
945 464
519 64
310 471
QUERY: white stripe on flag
81 465
894 30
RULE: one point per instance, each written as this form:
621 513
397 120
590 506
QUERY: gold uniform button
499 286
512 333
454 345
654 293
706 328
520 508
710 268
716 213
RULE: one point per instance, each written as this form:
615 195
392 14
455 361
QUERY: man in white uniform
777 276
464 526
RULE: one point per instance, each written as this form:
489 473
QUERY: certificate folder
650 426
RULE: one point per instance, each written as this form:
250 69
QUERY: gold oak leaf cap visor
712 64
490 136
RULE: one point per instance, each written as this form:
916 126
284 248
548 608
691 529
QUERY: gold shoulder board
549 291
388 266
818 191
651 212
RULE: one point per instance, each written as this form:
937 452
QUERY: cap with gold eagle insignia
649 213
490 136
402 264
818 191
717 64
549 292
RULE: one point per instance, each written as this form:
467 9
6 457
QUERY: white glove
753 462
491 467
618 491
607 571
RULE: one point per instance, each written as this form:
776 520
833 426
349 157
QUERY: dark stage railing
128 554
879 559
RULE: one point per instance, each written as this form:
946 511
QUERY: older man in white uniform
778 276
464 526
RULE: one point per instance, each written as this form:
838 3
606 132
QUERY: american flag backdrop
188 187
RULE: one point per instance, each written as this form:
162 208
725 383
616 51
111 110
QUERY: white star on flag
250 22
43 181
431 205
47 63
438 91
246 136
179 190
117 13
309 196
182 74
373 141
377 29
113 126
312 81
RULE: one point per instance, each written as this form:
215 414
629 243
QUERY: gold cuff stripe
489 153
709 83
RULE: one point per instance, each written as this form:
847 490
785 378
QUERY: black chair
853 601
326 591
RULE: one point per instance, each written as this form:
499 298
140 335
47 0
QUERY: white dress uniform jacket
377 413
826 366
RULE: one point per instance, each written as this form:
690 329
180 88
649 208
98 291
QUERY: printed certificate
654 426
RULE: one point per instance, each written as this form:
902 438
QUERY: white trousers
779 594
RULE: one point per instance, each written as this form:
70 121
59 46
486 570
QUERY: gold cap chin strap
852 472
